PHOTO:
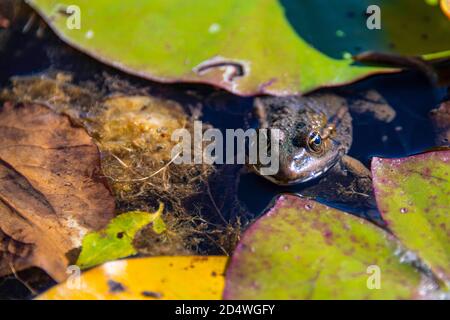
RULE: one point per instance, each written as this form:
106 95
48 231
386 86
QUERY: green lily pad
301 249
247 47
116 240
408 27
413 195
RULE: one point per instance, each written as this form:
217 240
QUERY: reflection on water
336 27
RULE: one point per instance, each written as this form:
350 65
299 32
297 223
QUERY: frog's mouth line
310 176
307 176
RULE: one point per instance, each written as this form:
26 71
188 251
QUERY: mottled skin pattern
316 132
341 179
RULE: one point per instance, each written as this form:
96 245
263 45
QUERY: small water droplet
308 206
89 34
403 210
286 247
214 28
340 33
346 55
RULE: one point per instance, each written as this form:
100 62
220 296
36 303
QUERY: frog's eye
315 141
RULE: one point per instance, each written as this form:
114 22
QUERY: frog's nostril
297 141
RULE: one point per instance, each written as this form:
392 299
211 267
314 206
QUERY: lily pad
406 27
247 47
190 277
116 240
413 195
301 249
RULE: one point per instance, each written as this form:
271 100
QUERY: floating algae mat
133 133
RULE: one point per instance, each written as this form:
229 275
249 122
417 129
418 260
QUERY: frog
315 134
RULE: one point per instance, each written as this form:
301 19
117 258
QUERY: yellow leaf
180 277
445 6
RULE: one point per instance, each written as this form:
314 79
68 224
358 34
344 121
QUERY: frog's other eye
315 141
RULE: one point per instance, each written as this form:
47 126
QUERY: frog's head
305 155
313 133
307 148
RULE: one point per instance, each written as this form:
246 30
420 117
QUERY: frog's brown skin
342 179
321 118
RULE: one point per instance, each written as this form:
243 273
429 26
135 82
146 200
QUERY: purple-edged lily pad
413 195
301 249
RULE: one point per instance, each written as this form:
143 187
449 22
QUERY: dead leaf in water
50 192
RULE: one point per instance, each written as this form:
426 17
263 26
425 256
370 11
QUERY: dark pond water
409 93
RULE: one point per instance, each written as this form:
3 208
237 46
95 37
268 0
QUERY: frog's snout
304 165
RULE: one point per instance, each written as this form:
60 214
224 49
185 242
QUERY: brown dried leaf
50 190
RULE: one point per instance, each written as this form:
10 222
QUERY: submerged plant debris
133 133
